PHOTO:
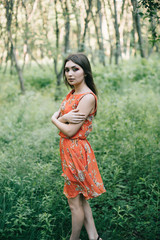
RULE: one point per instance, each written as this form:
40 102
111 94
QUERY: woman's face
74 73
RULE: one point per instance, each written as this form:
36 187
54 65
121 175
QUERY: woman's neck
81 89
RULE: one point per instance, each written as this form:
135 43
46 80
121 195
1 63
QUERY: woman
74 120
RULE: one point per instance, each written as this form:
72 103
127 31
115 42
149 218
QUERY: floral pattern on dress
79 165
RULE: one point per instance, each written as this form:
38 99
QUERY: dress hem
85 196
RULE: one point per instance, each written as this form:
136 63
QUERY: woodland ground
126 141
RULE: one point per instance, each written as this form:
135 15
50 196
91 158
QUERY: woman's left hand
55 115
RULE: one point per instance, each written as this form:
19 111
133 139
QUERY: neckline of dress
72 92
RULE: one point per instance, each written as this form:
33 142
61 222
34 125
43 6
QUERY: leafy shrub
38 78
39 81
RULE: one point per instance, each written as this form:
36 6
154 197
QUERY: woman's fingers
78 119
79 114
76 111
75 116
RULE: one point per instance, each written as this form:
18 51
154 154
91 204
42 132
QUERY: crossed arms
71 122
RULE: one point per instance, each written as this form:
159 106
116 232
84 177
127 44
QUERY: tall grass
125 138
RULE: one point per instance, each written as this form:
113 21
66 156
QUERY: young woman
74 120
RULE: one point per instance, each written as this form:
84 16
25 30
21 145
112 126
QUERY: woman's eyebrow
71 67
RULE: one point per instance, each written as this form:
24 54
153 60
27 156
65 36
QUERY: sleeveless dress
78 161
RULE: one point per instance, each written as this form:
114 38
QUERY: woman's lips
70 79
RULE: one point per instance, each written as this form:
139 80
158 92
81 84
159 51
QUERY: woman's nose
70 73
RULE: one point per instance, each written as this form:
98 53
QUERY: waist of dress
76 136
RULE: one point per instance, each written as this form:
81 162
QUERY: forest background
122 40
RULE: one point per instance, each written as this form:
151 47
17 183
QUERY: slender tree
133 33
57 71
66 16
97 19
18 68
86 20
76 13
127 33
136 18
109 32
9 5
26 35
116 26
122 25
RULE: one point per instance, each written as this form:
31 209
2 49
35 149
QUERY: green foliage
125 139
39 78
151 6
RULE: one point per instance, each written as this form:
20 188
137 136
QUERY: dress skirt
80 169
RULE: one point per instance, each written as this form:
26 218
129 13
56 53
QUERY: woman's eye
75 69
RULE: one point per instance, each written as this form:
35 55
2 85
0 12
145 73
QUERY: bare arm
85 106
74 116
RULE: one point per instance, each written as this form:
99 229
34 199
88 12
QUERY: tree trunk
154 35
28 50
128 32
57 26
134 49
128 46
101 46
11 51
117 52
122 26
109 34
101 51
55 58
88 10
78 23
138 26
123 4
90 46
19 71
67 25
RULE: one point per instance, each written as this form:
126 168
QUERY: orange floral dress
78 161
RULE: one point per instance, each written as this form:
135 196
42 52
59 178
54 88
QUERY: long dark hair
83 62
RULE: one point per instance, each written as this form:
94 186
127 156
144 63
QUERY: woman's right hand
74 116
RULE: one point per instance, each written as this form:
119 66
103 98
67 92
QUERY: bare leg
89 221
76 206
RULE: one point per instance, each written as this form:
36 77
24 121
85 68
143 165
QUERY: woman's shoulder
89 95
